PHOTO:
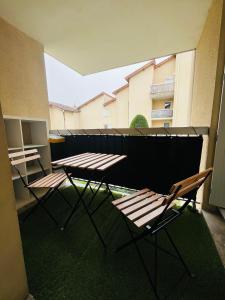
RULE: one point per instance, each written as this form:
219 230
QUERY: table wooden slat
68 158
111 163
88 160
103 162
95 161
91 161
79 159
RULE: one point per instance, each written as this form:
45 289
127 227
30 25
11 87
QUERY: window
166 125
168 105
170 79
105 113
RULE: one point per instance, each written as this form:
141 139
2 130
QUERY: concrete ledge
216 225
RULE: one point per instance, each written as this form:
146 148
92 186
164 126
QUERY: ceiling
96 35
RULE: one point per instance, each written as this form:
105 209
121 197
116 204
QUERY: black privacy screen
154 162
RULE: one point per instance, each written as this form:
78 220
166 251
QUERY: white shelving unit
23 134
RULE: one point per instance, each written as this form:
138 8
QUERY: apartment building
162 92
63 116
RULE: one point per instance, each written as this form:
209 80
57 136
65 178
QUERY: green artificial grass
72 264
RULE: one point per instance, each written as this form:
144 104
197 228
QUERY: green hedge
139 121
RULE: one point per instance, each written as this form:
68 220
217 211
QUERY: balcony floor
73 265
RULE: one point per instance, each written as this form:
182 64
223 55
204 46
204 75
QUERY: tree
139 121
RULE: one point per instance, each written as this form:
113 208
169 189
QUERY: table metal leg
80 195
93 223
81 199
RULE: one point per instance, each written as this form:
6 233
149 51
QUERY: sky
68 87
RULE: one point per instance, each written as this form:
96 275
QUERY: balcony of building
162 114
72 263
162 109
163 90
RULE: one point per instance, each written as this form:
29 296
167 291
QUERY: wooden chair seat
145 205
49 181
141 207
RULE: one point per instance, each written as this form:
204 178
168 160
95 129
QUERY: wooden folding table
90 162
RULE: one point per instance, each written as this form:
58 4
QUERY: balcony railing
164 90
162 113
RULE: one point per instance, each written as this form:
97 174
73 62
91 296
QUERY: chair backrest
179 189
189 184
17 158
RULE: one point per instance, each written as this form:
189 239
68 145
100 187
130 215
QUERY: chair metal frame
154 226
41 200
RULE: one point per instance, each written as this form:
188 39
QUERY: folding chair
151 212
50 183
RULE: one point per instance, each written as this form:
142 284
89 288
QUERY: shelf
15 177
22 170
34 133
33 146
14 148
13 133
33 169
24 134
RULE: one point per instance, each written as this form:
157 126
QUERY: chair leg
94 194
93 223
32 210
91 189
49 214
80 195
178 253
40 202
110 192
142 261
63 197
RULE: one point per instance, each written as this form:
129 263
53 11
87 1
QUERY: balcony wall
13 282
162 113
164 90
146 157
23 86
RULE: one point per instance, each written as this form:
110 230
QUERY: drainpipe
64 120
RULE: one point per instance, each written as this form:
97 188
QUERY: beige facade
164 70
110 114
93 114
23 86
161 92
183 90
63 117
122 106
139 93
